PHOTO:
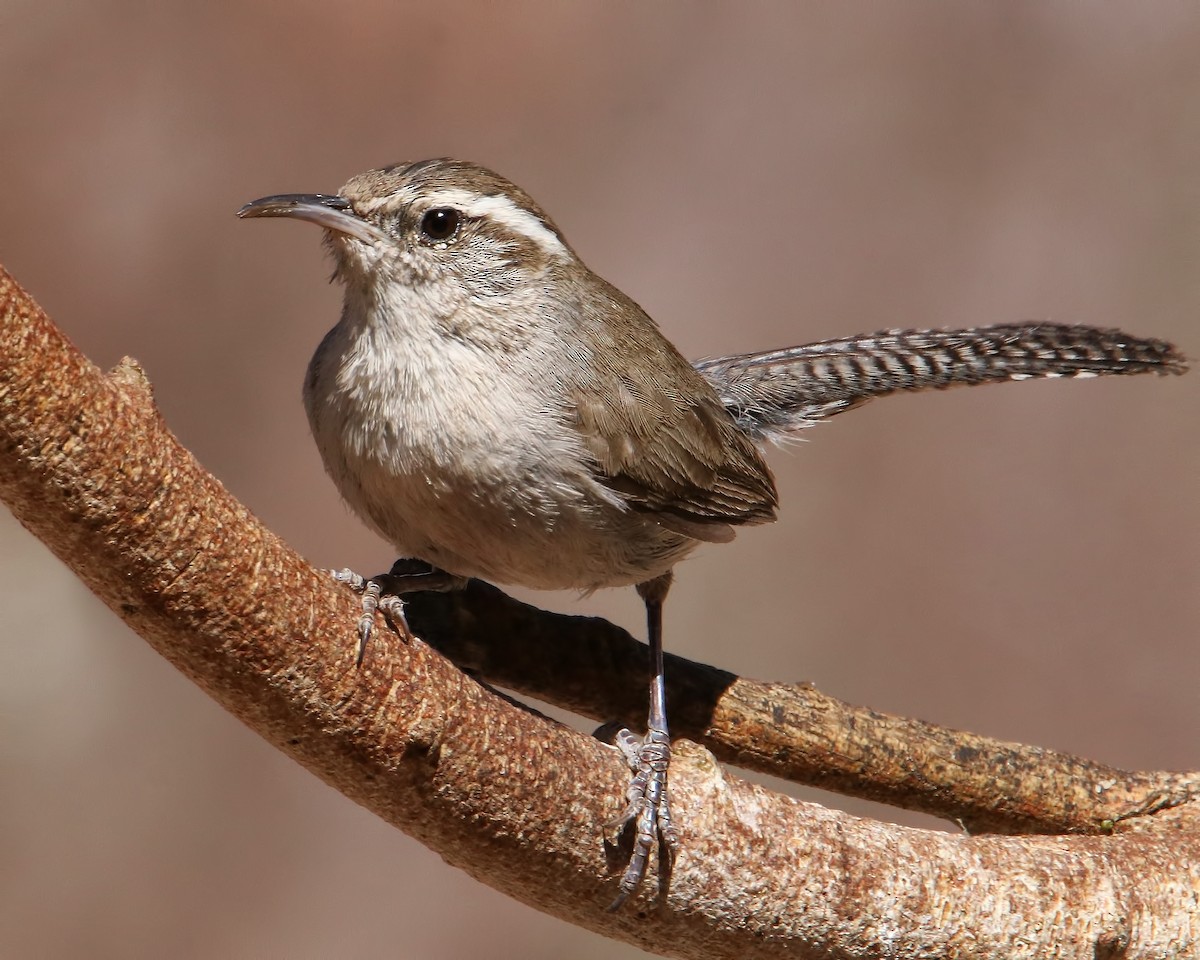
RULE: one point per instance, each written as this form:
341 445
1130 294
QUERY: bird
493 408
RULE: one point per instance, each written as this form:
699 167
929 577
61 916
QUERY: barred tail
782 391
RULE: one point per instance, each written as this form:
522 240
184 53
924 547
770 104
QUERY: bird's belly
506 522
479 481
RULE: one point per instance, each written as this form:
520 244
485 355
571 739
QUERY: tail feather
776 393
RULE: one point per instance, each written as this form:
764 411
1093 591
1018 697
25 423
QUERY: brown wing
660 435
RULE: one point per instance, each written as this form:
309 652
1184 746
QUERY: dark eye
440 223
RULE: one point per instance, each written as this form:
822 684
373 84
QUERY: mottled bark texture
87 465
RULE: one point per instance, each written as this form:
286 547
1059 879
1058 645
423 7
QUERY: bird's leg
649 808
384 592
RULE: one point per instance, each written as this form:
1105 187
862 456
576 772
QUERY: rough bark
87 464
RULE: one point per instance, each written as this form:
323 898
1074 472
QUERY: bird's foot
384 593
648 811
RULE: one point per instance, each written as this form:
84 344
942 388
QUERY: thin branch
87 465
789 730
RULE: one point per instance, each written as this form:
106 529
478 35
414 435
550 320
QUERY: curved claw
649 808
366 623
382 593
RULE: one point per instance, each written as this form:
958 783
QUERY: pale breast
464 460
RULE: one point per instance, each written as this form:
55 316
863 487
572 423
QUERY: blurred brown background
1020 561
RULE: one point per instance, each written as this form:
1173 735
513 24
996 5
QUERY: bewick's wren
492 407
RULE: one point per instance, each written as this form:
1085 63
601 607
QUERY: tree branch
791 731
87 465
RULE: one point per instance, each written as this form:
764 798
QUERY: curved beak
333 213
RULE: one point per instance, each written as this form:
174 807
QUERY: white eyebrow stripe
503 211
